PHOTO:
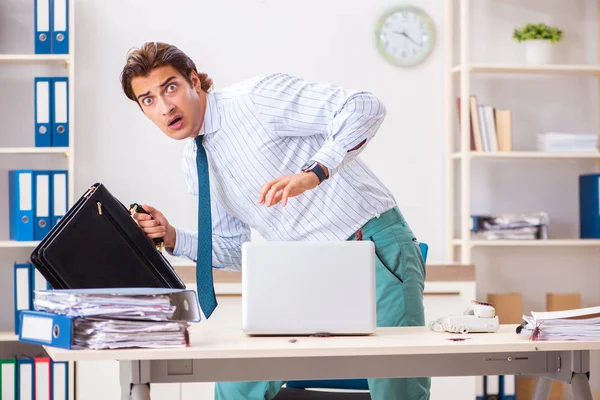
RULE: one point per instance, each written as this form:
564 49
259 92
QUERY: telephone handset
481 317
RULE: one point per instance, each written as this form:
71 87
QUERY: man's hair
141 61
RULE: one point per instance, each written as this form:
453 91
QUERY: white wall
325 41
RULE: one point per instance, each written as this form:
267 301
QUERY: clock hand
406 36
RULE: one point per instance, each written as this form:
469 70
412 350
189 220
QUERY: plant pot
538 51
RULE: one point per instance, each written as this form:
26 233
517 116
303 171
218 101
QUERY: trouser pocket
396 248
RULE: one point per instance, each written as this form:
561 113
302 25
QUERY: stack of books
110 318
578 324
510 226
490 127
567 142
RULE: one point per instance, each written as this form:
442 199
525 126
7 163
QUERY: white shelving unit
8 337
564 69
14 243
524 155
36 58
460 164
68 153
67 61
530 243
36 150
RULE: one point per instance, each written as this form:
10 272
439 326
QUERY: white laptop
306 288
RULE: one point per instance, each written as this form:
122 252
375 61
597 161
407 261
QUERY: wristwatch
313 166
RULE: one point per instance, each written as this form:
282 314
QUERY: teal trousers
400 276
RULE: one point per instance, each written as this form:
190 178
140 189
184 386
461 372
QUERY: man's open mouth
175 121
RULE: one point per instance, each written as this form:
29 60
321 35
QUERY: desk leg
140 391
572 367
135 380
581 387
542 388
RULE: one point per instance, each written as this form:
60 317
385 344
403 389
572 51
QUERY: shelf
15 243
527 154
8 337
559 69
34 58
34 150
531 243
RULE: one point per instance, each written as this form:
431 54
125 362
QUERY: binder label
39 281
25 381
22 288
42 207
60 102
36 328
42 379
8 381
60 194
43 21
25 184
60 15
43 101
59 380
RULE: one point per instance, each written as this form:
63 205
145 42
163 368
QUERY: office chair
296 390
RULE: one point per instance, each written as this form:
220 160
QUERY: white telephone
481 317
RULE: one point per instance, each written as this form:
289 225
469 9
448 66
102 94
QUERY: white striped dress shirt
267 127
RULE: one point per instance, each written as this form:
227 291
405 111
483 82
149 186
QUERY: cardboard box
509 307
562 301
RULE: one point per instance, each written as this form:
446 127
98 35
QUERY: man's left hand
287 186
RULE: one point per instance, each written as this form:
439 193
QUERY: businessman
278 154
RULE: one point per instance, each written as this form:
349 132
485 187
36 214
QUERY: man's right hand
155 225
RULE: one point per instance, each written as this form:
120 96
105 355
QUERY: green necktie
204 279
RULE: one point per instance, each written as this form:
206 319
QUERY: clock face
405 36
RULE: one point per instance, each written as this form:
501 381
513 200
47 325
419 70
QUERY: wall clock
405 36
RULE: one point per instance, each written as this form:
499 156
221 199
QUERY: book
489 127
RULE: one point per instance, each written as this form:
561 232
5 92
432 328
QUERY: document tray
97 244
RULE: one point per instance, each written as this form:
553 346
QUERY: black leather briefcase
97 244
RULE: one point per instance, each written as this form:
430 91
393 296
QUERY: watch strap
318 170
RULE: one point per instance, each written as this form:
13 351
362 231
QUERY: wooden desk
229 355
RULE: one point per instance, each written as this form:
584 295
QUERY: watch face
405 36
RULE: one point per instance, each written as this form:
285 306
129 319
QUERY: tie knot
198 140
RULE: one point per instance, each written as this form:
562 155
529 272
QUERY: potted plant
538 40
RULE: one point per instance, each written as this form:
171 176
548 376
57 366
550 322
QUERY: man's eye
171 87
147 101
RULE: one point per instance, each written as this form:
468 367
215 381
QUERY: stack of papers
508 226
98 334
567 142
82 303
123 318
578 324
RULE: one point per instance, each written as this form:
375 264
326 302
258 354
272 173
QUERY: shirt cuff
330 155
185 244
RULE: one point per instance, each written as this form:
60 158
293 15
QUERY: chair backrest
347 384
424 250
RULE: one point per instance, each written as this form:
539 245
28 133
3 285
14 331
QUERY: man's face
174 105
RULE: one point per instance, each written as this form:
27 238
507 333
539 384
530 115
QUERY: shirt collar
212 118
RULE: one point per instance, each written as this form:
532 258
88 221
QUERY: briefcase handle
159 243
